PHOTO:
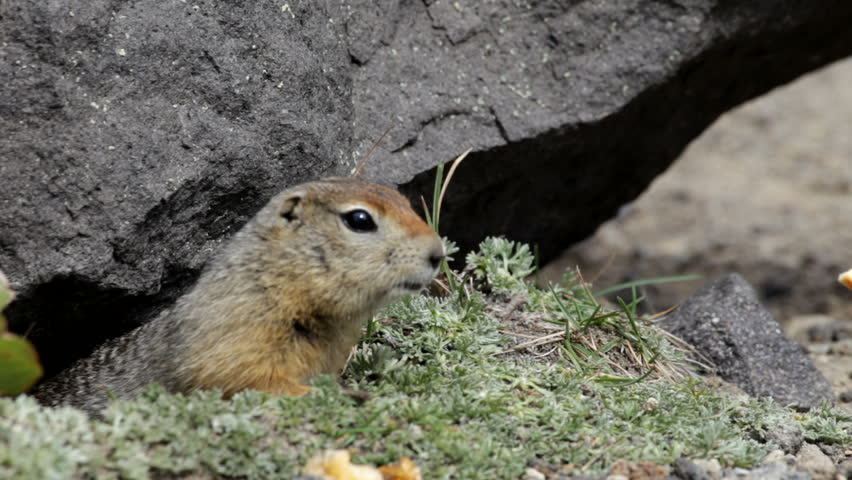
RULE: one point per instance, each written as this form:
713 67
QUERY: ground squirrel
283 301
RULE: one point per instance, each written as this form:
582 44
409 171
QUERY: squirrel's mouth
411 286
415 283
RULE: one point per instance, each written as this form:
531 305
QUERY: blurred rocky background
766 192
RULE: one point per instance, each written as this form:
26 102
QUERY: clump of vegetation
472 384
19 365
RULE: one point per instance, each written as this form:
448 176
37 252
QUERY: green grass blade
436 195
648 281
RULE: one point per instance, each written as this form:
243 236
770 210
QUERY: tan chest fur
276 357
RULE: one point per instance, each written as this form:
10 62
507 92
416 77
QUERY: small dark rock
788 437
830 332
845 396
687 470
819 333
727 324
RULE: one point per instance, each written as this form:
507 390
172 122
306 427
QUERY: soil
766 192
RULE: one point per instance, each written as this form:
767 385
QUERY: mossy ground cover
474 383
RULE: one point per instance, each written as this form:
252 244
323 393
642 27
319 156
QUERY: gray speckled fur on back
88 384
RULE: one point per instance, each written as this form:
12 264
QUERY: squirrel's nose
435 257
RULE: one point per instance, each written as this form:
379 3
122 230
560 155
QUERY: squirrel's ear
292 207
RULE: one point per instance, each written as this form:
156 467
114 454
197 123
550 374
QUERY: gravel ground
766 192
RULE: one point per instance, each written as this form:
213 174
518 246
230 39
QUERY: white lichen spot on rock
286 9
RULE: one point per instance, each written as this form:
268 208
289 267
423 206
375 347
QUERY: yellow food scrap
845 278
405 469
337 465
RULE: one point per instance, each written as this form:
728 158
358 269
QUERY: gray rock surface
136 135
727 324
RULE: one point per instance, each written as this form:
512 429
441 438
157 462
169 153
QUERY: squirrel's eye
359 221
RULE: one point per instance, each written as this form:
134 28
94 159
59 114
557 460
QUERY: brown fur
284 301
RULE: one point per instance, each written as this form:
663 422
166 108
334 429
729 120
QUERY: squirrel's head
348 244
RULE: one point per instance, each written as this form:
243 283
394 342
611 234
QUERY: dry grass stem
370 152
453 167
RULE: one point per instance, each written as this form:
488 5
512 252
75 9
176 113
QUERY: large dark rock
726 323
136 135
